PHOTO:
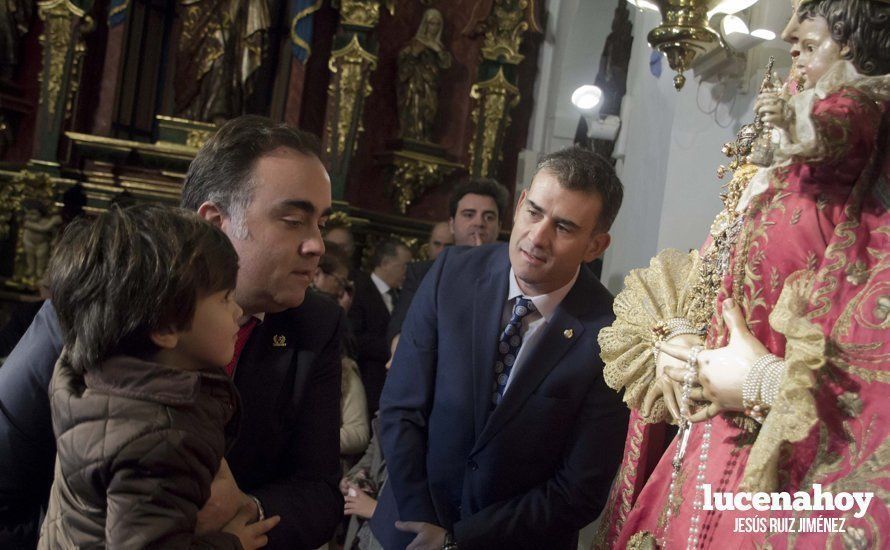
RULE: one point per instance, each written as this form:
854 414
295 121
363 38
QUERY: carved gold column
64 24
353 59
495 92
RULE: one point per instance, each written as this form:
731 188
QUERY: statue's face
818 51
433 25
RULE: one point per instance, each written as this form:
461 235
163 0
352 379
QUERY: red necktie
243 334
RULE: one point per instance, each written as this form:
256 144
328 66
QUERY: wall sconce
587 99
685 30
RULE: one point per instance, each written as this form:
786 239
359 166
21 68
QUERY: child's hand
773 110
251 535
359 503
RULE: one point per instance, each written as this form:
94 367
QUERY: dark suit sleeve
27 445
308 498
413 278
407 401
569 500
369 342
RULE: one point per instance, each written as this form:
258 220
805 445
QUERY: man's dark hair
133 271
221 171
580 169
386 249
480 186
861 25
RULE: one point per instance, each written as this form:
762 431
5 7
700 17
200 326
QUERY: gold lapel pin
279 341
568 333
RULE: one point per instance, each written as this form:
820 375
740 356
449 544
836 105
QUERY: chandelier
685 31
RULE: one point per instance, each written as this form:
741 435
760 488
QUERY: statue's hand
665 386
722 371
773 110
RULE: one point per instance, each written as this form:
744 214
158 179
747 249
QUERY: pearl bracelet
761 386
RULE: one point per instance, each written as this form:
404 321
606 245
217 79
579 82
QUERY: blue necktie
508 348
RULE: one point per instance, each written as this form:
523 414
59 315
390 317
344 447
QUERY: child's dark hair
132 271
861 25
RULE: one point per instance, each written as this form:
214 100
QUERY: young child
142 409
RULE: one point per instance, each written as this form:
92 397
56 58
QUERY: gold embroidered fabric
794 412
651 297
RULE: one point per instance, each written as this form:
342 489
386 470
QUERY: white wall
673 139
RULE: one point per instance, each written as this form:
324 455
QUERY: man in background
477 208
440 237
376 296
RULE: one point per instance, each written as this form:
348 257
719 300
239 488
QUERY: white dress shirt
383 289
533 323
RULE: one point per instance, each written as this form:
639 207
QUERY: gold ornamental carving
490 116
351 67
363 13
503 29
28 202
80 49
58 34
197 138
414 173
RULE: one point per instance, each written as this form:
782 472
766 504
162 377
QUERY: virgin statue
420 65
770 347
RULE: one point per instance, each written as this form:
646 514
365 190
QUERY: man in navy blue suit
497 427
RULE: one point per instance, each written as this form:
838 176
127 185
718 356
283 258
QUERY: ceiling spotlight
643 4
587 97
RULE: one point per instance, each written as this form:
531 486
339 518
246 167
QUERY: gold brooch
279 341
568 333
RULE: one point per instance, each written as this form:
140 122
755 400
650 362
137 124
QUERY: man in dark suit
375 298
477 207
497 426
266 188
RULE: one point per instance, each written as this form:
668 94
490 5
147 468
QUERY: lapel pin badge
568 333
279 341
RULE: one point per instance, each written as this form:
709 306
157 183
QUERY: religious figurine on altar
15 17
39 230
770 346
221 46
420 65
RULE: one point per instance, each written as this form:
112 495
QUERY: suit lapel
540 360
488 307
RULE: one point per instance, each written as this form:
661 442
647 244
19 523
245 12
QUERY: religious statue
612 75
222 45
15 17
420 65
768 347
39 229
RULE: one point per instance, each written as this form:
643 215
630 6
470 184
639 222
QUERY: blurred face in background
476 220
440 237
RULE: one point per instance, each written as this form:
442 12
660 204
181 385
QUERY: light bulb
587 97
730 6
643 4
732 24
764 34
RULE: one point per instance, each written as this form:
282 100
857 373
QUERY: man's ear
165 338
211 212
451 225
598 244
